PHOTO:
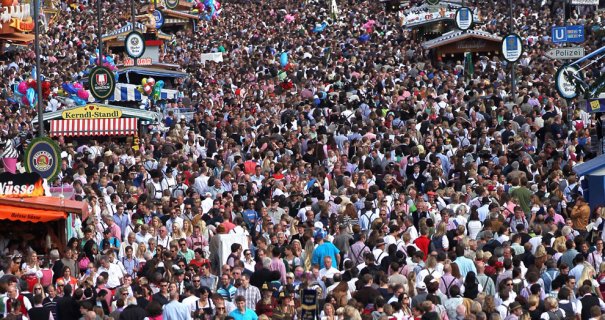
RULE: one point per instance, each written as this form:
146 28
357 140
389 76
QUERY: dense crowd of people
390 182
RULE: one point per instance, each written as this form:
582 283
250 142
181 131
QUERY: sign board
595 105
512 47
159 19
568 34
308 304
565 87
464 18
43 157
171 4
92 111
565 53
585 2
135 45
102 83
140 62
21 185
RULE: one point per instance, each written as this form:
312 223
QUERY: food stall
16 25
454 44
28 213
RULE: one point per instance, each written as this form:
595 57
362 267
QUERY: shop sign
92 111
21 185
43 157
128 62
102 83
21 25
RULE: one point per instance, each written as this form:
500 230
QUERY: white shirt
115 275
328 273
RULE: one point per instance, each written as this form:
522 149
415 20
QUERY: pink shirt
278 265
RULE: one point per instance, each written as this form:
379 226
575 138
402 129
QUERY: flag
469 67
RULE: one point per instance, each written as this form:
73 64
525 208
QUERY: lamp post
512 69
99 33
39 106
134 21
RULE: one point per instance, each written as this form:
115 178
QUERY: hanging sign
92 111
43 157
564 82
135 45
171 4
512 47
102 83
464 18
159 19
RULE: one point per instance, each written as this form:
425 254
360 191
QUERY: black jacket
133 312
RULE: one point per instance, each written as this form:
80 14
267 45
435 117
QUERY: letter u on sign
559 34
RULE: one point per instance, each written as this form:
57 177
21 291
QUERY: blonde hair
587 274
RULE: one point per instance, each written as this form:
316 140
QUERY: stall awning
129 92
55 208
17 38
30 215
93 127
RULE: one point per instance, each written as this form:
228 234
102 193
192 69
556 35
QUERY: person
251 293
132 310
67 307
242 312
38 311
175 309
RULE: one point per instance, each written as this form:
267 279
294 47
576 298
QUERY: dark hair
154 308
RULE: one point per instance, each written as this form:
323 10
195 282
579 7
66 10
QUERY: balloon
78 86
151 81
78 101
22 88
283 59
83 94
147 89
140 89
69 88
323 95
144 81
289 18
320 27
31 96
25 101
110 60
31 83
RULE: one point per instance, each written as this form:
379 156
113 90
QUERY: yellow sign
595 105
135 144
92 111
23 25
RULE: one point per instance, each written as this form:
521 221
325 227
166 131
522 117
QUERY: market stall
98 120
16 24
28 213
455 43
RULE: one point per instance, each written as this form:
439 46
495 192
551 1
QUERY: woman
589 273
328 313
472 287
439 240
68 278
297 249
601 278
187 228
290 260
307 255
177 231
474 225
204 306
248 260
31 270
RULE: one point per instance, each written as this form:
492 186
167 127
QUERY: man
69 261
113 270
358 250
143 236
132 310
226 288
162 296
464 264
367 293
67 307
38 311
130 262
179 280
325 248
122 220
328 271
249 292
207 279
174 310
242 312
14 295
185 252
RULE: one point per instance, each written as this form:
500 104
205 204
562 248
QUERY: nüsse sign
92 111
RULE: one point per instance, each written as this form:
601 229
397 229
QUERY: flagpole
38 71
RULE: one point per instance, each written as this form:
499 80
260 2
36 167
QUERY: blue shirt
247 315
465 265
325 249
175 310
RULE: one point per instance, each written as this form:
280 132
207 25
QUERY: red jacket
423 243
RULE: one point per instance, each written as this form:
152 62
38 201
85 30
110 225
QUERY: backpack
83 263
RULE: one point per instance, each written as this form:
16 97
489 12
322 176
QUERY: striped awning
93 127
176 21
129 92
